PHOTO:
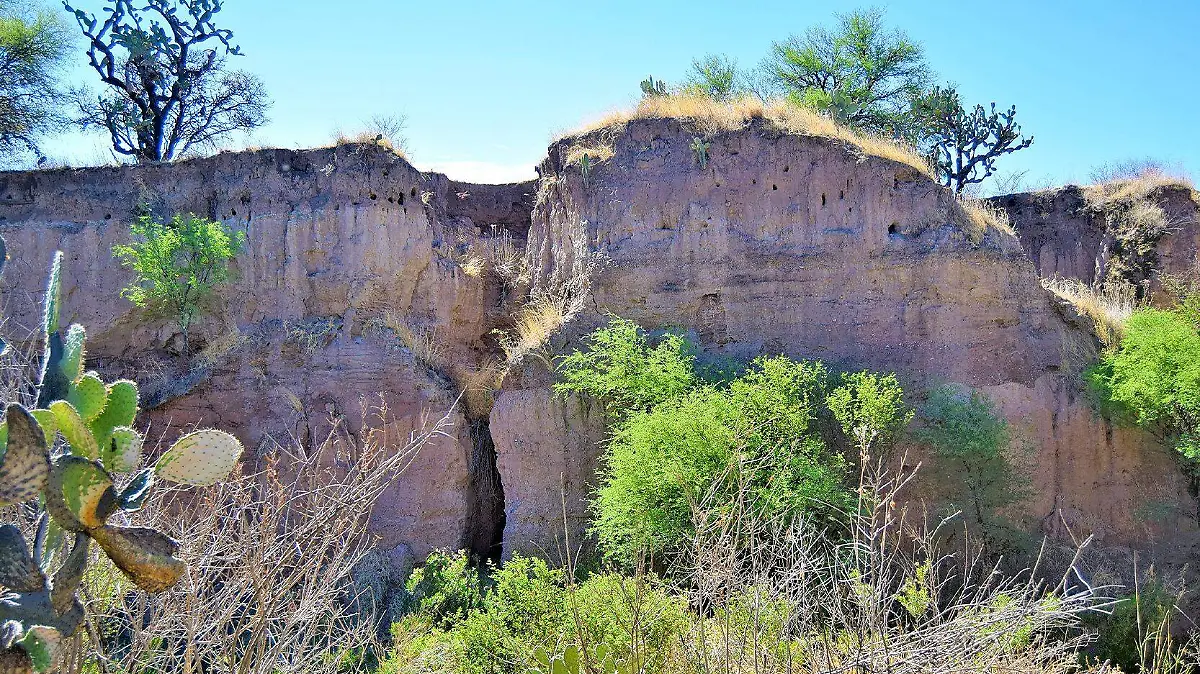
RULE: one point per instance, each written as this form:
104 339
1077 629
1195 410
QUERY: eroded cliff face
1066 236
797 245
781 244
336 239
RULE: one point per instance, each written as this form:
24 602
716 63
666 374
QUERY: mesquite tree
167 90
965 145
33 47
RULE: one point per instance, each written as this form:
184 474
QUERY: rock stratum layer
780 244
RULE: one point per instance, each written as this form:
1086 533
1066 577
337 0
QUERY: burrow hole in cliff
483 535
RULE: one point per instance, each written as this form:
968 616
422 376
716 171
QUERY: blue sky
485 85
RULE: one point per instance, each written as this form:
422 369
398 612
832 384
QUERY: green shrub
871 411
445 590
635 618
621 368
1153 379
1126 637
971 443
758 434
178 264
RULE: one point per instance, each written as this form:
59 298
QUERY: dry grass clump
506 259
387 131
473 266
218 349
982 216
1133 189
596 151
479 386
421 341
1109 307
710 117
270 558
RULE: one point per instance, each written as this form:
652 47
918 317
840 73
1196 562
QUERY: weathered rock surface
1064 237
782 244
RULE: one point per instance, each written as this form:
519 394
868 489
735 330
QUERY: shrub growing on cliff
973 444
1153 380
178 264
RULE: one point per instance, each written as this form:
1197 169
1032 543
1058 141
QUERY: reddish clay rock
798 245
336 238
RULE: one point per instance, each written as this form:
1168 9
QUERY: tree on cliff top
964 146
33 46
860 73
167 89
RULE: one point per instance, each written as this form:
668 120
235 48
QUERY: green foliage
178 264
445 590
757 436
1153 379
859 72
528 608
622 369
651 87
1126 637
971 443
916 594
965 145
716 76
33 48
700 150
870 409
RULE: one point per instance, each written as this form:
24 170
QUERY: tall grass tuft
1109 307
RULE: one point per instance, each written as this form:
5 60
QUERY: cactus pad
121 409
145 555
18 572
25 466
77 433
53 383
74 352
123 453
40 643
137 490
45 419
201 458
88 492
53 293
88 396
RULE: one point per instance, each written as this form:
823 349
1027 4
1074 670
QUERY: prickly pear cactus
202 458
79 493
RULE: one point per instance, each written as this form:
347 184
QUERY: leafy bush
1153 379
178 264
445 590
971 442
622 369
1127 636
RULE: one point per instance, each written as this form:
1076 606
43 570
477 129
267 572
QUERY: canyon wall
780 244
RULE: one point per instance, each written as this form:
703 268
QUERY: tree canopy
167 90
33 48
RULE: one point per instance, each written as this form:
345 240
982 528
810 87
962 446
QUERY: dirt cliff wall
780 244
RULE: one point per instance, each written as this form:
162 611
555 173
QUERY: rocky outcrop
781 243
799 245
1066 236
336 238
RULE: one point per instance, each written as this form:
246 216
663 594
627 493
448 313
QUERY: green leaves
624 371
1154 379
178 264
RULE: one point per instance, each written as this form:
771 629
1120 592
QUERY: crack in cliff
483 535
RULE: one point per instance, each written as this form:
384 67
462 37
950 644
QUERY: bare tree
168 91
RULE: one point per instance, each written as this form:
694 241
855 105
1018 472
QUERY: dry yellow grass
473 265
710 117
1102 195
1109 308
982 216
479 386
421 342
217 350
596 151
533 326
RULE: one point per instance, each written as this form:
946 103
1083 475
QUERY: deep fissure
483 535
